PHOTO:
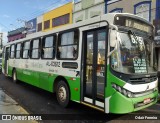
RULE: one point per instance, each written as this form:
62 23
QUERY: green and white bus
106 62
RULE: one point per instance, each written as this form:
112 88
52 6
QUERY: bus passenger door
94 55
6 58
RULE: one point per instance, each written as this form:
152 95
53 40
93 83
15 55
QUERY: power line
39 12
36 13
5 27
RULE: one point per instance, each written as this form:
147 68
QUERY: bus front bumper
120 104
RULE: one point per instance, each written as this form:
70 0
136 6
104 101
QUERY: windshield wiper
134 35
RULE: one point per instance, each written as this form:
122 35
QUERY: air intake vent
142 80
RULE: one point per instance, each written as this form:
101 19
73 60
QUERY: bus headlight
122 91
119 89
129 94
114 86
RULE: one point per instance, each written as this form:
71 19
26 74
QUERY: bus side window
18 49
12 53
26 49
35 48
48 47
68 45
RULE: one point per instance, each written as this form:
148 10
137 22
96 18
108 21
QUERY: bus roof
106 17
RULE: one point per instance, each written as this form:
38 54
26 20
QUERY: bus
106 63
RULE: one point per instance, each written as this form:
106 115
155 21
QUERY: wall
86 9
60 11
16 34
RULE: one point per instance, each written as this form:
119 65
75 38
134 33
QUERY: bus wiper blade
134 35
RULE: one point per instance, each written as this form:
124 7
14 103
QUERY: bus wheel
62 93
14 76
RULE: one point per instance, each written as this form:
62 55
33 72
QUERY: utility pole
1 40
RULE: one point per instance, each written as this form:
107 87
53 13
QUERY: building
55 18
39 23
86 9
31 26
49 20
16 34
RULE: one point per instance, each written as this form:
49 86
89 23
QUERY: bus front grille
142 80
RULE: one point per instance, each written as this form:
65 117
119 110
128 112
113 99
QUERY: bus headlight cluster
122 91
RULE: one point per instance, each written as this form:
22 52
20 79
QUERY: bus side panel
31 77
46 81
74 85
19 74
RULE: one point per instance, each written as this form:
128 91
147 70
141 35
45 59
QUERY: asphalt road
37 101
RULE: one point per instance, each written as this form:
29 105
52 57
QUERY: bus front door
6 60
94 52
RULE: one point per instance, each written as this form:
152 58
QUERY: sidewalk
10 106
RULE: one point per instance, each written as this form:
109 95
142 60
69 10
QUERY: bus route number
53 64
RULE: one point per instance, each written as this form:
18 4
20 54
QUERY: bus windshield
133 54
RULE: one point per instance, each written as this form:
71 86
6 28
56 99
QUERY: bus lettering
53 64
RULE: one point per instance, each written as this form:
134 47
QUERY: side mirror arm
115 49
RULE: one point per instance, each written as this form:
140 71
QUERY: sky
13 13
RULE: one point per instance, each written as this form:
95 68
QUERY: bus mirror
113 38
113 27
114 50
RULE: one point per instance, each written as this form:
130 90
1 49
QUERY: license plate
146 100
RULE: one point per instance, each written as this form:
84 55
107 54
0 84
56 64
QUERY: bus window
67 48
35 49
26 49
12 51
18 49
48 48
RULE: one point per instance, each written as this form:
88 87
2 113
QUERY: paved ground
8 106
37 101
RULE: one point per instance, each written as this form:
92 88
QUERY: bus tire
14 76
62 93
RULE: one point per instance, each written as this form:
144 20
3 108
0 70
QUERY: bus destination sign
133 23
137 25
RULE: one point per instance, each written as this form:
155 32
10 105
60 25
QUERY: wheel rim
62 93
